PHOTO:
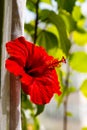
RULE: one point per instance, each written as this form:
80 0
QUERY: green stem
65 121
36 21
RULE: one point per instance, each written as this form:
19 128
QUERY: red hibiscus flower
35 68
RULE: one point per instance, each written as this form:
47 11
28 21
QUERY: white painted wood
5 78
4 99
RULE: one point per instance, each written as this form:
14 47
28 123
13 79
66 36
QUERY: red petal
27 81
43 88
38 56
17 49
13 67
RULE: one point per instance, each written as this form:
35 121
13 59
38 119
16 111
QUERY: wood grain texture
17 30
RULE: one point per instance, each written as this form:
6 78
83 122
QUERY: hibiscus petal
40 94
43 88
17 49
27 81
13 67
39 56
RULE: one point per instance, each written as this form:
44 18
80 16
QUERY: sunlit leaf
78 61
31 5
40 109
52 17
59 99
84 128
46 1
81 25
83 88
76 13
81 0
80 38
52 28
71 90
59 23
29 28
69 114
36 124
68 19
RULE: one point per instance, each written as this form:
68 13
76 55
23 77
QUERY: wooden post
10 98
4 96
17 29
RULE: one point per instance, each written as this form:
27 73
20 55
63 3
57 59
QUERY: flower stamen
56 63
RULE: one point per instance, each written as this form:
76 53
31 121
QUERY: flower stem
36 21
65 121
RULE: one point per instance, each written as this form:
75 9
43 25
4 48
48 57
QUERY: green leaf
24 120
36 124
78 61
81 0
68 19
84 128
25 102
31 5
29 28
46 1
59 23
80 38
66 4
71 90
69 114
83 88
44 14
59 99
48 40
57 20
76 13
40 109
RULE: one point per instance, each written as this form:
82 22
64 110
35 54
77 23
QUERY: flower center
56 63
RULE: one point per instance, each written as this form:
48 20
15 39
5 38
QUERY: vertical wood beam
17 30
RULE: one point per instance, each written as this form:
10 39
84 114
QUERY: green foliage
59 23
71 90
66 4
35 110
25 102
29 28
24 120
40 109
76 14
69 114
46 1
55 38
31 5
78 61
69 21
57 20
80 38
84 128
59 99
48 40
83 88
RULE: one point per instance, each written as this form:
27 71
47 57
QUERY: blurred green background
60 26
